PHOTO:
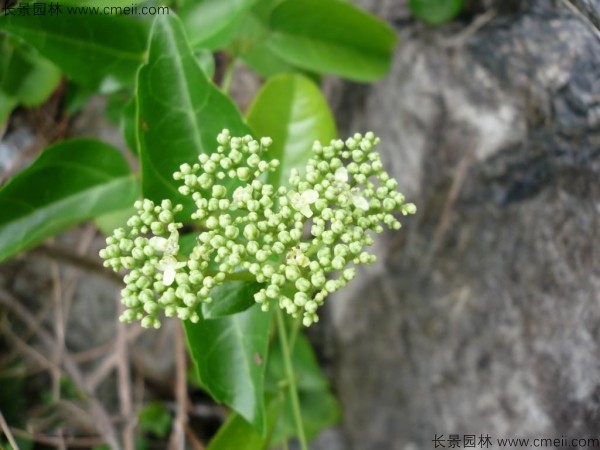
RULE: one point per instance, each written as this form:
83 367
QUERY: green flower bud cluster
301 242
344 194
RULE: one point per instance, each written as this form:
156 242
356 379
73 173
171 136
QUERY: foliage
157 72
154 418
436 12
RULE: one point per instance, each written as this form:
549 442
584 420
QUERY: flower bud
303 285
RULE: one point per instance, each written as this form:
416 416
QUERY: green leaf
91 49
251 42
436 11
332 36
261 59
291 110
24 444
128 125
229 355
187 242
318 406
319 409
77 97
155 418
24 74
69 183
308 373
108 222
207 62
180 112
105 3
213 23
230 298
6 106
237 434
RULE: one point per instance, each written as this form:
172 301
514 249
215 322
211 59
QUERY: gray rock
483 314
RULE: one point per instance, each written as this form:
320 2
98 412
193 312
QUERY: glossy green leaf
207 62
213 23
229 355
308 373
187 242
261 59
107 4
108 222
92 50
77 97
128 125
318 406
291 110
24 75
436 11
319 409
70 182
251 43
332 36
237 434
230 298
6 106
180 112
116 102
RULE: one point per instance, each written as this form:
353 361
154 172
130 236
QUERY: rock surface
483 314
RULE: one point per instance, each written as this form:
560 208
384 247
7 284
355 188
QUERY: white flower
172 244
296 257
359 201
169 265
159 244
166 246
340 177
302 202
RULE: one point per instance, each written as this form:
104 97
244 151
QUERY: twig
71 441
196 443
59 333
132 333
59 329
44 362
177 439
102 421
30 330
91 265
139 389
447 211
582 16
102 371
8 300
477 24
108 364
7 432
124 383
72 276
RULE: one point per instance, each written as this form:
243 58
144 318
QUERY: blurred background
481 318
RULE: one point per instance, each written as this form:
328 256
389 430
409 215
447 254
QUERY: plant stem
294 334
289 371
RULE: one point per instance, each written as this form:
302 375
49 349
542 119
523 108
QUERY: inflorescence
301 242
